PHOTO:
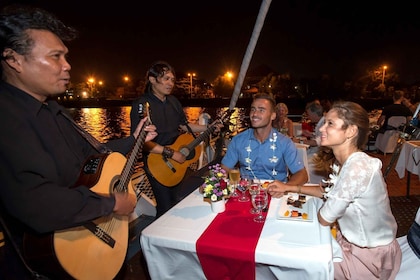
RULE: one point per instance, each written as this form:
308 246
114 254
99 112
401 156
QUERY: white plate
306 208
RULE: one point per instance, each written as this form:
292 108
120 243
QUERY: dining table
409 159
286 248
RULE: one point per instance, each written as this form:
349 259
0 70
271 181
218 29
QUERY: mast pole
249 52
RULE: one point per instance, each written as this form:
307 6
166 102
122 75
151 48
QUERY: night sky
305 38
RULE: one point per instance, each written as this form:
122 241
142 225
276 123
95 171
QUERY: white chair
387 141
410 264
302 149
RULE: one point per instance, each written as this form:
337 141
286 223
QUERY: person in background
315 113
261 151
42 153
282 123
413 108
356 197
395 109
169 118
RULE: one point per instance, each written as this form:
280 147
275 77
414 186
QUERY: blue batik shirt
269 160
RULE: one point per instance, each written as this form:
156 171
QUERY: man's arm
299 178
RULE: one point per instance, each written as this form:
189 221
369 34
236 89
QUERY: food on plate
265 185
295 213
296 203
302 198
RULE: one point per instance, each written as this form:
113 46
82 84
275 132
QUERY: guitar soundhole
191 155
115 185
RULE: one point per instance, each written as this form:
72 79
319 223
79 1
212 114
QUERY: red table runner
226 249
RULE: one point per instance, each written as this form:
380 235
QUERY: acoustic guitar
169 172
97 249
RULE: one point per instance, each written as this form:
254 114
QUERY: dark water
114 122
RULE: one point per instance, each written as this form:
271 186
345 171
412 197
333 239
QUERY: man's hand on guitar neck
218 125
150 128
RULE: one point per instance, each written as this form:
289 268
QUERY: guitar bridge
100 233
169 164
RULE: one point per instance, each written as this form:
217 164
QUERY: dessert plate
296 207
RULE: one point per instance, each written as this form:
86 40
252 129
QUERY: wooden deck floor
397 186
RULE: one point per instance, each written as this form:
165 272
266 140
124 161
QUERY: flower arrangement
329 183
215 185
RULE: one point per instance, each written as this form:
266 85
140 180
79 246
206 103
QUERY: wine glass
253 190
243 185
234 175
260 201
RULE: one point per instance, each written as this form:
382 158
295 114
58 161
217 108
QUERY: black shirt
41 155
166 115
394 110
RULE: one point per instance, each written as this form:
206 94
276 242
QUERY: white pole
249 52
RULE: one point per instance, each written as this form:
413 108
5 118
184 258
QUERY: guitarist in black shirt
167 114
43 154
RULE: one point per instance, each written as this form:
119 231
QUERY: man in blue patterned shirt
261 152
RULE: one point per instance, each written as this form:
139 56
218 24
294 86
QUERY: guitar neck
128 169
200 138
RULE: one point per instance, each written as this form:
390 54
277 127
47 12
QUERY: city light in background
191 75
383 74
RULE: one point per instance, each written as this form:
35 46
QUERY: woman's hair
352 114
157 70
282 105
279 106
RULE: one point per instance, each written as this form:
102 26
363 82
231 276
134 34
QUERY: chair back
417 218
302 151
396 121
387 141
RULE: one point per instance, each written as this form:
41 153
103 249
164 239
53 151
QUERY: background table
286 249
409 159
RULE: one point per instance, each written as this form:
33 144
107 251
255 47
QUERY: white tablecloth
409 159
286 249
297 129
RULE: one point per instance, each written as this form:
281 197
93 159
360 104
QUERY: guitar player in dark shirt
169 118
42 155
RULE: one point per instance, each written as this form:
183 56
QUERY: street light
383 74
229 75
191 75
91 83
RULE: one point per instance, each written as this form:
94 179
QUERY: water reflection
114 122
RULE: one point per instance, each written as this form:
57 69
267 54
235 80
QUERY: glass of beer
234 176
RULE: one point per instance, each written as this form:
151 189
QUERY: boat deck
404 209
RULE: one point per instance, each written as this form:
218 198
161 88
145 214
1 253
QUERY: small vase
218 206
